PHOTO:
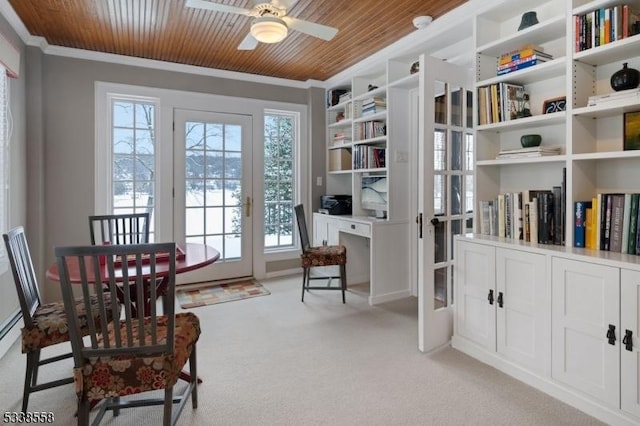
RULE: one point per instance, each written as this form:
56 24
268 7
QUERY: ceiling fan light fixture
267 29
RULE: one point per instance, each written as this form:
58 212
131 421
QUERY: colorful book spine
579 230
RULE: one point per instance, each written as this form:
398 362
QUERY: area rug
210 293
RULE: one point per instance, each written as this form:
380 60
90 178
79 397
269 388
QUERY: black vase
626 78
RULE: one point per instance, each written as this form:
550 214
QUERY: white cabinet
629 347
324 231
522 308
501 303
475 317
586 332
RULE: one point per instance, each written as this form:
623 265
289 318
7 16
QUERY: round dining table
191 256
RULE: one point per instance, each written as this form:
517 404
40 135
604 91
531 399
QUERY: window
133 145
280 140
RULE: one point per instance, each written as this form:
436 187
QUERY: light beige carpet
276 361
210 293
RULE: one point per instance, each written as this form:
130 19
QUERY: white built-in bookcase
590 138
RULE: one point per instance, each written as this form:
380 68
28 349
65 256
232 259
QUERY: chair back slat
24 276
127 269
118 229
302 227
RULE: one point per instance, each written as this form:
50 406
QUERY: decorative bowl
530 141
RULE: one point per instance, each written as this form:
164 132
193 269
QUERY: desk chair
319 256
145 351
130 228
44 324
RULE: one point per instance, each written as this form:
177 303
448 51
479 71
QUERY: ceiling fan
270 21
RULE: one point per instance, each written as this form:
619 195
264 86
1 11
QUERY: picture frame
550 106
631 135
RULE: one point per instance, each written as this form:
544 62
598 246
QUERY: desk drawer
355 228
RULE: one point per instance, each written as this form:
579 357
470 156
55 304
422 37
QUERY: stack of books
522 58
373 105
537 151
622 97
341 138
344 97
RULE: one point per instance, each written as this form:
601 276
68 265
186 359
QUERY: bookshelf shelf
407 82
541 33
612 52
525 123
534 74
524 160
370 117
607 110
347 122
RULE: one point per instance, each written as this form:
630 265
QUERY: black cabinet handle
611 334
627 340
490 298
500 301
353 226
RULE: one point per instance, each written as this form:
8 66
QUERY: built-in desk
377 252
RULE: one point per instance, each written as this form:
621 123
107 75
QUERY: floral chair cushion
50 324
324 256
109 377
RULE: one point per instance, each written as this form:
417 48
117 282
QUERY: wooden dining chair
45 324
145 351
126 228
330 255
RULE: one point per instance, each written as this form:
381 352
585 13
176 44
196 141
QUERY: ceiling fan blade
248 43
217 7
283 4
317 30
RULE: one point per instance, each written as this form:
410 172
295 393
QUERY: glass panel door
213 199
445 197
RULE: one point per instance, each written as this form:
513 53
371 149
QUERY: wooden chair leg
305 274
168 405
29 378
83 412
194 377
343 280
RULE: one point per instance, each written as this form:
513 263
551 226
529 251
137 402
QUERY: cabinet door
585 304
523 332
320 233
475 315
630 358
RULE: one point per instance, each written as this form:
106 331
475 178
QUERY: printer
335 204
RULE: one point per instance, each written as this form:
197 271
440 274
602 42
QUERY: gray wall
17 196
62 110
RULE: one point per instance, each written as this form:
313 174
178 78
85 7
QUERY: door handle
627 341
500 301
490 297
611 334
435 221
247 207
419 222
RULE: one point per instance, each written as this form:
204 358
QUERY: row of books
368 157
522 58
605 25
608 222
336 96
500 102
534 216
373 105
369 129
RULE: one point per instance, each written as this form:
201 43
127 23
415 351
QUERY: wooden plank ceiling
166 30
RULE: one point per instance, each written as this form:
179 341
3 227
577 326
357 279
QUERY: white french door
445 192
213 189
